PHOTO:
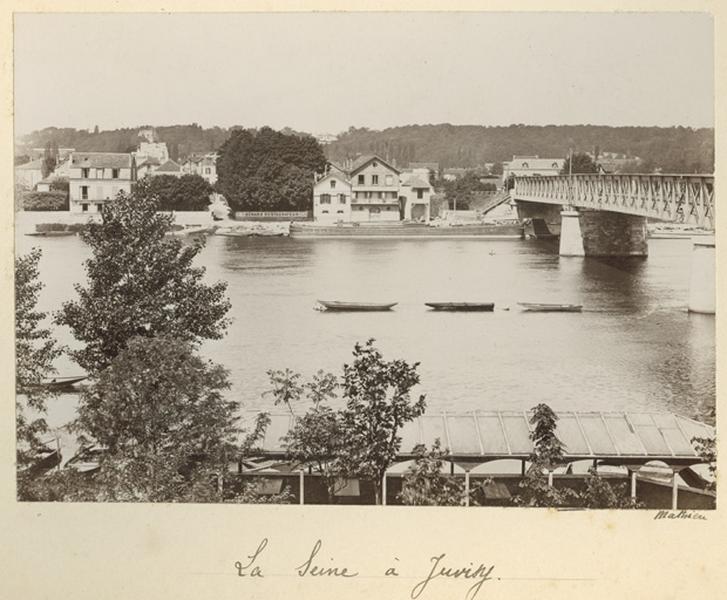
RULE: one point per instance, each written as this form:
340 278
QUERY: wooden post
633 484
674 490
383 490
550 478
301 486
467 488
522 467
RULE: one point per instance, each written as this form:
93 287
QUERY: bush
45 201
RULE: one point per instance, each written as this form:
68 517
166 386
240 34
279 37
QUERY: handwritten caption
312 567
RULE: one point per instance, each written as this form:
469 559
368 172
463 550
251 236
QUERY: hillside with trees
671 149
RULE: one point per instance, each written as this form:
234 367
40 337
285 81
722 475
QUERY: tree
582 163
496 168
50 160
159 412
378 404
707 450
424 483
317 438
535 489
268 170
599 493
35 352
140 282
45 201
188 192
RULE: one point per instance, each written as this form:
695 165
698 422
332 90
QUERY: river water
635 347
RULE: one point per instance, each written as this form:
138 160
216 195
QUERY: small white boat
356 306
462 306
549 307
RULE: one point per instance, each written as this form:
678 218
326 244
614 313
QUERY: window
207 170
114 173
333 184
325 212
342 198
325 198
374 180
420 193
525 165
393 195
84 192
389 180
84 207
367 194
379 195
340 212
375 164
99 173
360 179
85 173
98 207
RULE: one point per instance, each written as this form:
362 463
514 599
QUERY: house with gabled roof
29 174
168 168
370 189
97 177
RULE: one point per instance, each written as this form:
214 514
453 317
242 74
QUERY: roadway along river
634 347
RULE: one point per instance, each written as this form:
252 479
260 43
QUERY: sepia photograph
345 259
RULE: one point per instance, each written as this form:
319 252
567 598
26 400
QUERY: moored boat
356 306
462 306
59 384
549 307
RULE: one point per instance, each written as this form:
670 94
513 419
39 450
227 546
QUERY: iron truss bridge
683 199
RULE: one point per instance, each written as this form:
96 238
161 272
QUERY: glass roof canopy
490 435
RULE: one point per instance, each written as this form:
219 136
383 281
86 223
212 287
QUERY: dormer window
525 165
374 164
555 165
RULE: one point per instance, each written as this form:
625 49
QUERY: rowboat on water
51 233
356 306
61 383
462 306
544 307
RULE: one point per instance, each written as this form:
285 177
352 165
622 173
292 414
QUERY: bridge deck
621 437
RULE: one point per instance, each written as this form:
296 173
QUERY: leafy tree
140 282
35 351
159 412
535 489
424 483
45 201
48 165
582 163
188 192
599 493
60 184
707 450
317 438
268 170
496 169
378 404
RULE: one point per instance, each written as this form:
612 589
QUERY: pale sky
325 72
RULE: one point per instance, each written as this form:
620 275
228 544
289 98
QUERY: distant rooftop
109 160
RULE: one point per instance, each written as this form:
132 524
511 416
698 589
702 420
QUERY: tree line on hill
671 149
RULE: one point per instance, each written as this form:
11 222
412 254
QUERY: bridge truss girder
683 199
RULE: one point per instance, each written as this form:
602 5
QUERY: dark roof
362 161
169 167
108 160
416 182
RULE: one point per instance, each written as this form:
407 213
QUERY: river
635 347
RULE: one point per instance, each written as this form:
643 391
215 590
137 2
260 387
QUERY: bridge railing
686 199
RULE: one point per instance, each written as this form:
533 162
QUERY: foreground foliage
140 283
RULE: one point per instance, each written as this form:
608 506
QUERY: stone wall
613 234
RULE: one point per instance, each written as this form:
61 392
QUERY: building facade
371 190
532 166
332 197
97 177
29 174
205 166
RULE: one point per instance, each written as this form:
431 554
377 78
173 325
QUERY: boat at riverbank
51 233
356 306
462 306
397 229
546 307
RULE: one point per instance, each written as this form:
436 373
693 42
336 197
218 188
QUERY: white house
371 190
168 168
205 166
531 166
96 177
332 197
29 174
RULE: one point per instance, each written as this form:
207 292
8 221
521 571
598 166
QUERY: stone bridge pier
585 232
